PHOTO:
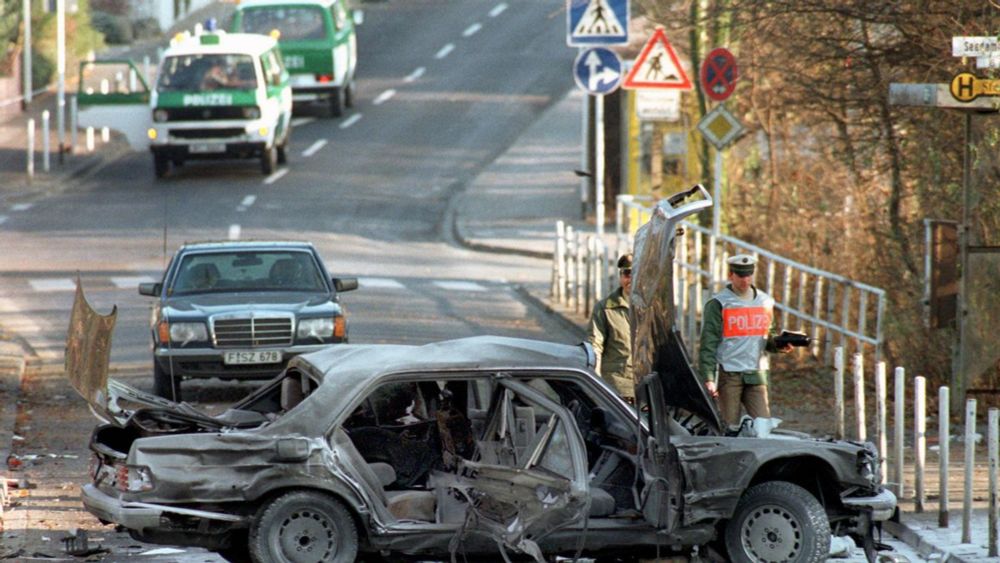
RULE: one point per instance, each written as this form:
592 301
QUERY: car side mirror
345 284
358 16
150 289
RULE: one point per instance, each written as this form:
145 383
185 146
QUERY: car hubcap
306 536
771 533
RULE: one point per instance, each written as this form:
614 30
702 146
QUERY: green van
318 44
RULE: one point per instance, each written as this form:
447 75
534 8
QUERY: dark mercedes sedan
241 310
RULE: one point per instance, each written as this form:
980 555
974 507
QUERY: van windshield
204 73
293 23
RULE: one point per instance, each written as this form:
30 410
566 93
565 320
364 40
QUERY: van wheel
283 148
352 88
165 385
161 165
303 526
268 161
778 521
337 102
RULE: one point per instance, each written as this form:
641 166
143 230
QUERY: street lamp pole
61 70
26 67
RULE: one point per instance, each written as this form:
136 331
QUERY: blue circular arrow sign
598 70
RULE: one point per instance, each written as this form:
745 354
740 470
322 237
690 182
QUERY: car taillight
133 478
322 78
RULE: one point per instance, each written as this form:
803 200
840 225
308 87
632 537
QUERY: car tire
165 385
303 526
283 148
337 102
161 165
778 521
268 161
349 94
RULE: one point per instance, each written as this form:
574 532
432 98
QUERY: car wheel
268 161
303 526
778 521
161 165
337 102
165 385
352 88
283 148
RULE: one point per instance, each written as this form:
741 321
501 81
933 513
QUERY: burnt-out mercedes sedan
482 447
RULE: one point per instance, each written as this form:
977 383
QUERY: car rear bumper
207 363
881 505
140 516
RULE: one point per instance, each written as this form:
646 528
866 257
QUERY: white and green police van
318 43
221 95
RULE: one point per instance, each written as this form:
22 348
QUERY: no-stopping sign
719 74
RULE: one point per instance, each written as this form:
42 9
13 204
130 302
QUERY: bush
42 70
145 28
117 30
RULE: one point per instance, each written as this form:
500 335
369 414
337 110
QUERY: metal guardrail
832 309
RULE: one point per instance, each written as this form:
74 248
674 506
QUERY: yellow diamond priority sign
720 127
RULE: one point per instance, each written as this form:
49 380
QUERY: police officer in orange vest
736 333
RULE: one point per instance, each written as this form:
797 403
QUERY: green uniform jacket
611 338
711 335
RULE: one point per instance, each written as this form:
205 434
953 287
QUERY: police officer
610 333
736 331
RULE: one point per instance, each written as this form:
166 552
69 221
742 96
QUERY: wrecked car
475 447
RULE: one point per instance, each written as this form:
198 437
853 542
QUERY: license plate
207 148
252 357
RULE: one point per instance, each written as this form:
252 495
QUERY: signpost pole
599 165
61 74
716 208
26 70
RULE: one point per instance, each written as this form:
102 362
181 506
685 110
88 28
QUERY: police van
318 43
221 95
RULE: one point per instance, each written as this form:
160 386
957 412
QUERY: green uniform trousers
733 393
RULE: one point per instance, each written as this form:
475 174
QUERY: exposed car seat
286 272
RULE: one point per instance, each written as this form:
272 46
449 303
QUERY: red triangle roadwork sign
657 66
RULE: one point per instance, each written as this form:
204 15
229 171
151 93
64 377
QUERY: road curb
910 537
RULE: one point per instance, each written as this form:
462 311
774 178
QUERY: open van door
115 94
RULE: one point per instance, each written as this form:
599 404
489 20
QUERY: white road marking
350 121
248 201
21 206
498 9
302 121
384 97
417 73
472 30
130 282
459 285
276 176
8 306
313 148
3 219
444 51
234 232
52 284
383 283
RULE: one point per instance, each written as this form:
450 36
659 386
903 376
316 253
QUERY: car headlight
251 112
160 115
315 328
183 333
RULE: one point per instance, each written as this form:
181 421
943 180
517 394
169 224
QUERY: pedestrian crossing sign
596 22
657 66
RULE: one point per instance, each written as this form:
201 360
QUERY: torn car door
661 499
115 94
528 477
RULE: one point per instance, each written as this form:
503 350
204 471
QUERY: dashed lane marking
472 30
384 97
444 51
128 282
234 232
302 121
52 284
313 148
247 202
498 9
350 121
460 285
381 283
417 73
21 206
276 176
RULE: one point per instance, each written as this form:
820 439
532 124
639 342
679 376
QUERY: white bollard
105 134
993 419
858 369
919 439
570 269
45 141
970 459
560 257
838 390
578 290
30 154
880 416
90 139
74 123
105 86
944 440
899 404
